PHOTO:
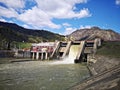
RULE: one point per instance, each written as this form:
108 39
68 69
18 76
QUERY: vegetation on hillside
110 49
11 35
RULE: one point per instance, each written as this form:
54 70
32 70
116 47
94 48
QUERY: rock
95 32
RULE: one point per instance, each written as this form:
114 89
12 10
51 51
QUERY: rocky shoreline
105 74
102 64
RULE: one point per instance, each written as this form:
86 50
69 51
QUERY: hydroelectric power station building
42 50
60 50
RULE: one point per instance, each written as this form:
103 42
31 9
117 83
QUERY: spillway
69 59
74 49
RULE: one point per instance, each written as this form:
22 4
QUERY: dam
39 75
75 50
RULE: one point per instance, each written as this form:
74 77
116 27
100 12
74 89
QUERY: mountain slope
13 32
94 32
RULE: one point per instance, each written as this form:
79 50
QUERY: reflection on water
37 75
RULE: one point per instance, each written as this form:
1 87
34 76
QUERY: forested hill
12 32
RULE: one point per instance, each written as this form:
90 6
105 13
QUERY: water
38 75
74 49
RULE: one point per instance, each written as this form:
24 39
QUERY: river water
39 75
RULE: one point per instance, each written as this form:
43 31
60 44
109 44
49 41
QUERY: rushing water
38 75
74 49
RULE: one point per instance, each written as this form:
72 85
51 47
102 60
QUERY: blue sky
62 16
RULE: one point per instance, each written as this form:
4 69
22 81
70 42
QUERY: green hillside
110 49
11 33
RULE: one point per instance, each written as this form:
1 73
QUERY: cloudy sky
62 16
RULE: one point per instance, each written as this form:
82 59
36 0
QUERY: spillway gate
60 49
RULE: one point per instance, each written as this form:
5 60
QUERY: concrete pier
46 55
33 55
81 48
57 46
37 55
66 49
40 55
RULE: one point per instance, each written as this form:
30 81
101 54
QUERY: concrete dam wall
75 50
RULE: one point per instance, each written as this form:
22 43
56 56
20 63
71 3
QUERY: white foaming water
71 56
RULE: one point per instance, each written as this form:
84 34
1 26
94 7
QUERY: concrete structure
66 49
81 48
42 50
56 48
59 50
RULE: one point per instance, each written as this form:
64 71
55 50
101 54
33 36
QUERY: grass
110 48
22 45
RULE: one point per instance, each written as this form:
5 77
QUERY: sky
62 16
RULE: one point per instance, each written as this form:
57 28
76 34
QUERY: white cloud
14 3
10 21
54 5
69 30
85 27
68 14
45 11
10 12
26 26
117 2
66 24
62 8
3 20
38 18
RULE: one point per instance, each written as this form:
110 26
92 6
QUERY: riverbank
102 64
104 68
10 60
107 76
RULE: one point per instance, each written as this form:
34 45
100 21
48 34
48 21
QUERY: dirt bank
105 74
103 63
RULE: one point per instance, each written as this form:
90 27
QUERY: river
39 75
